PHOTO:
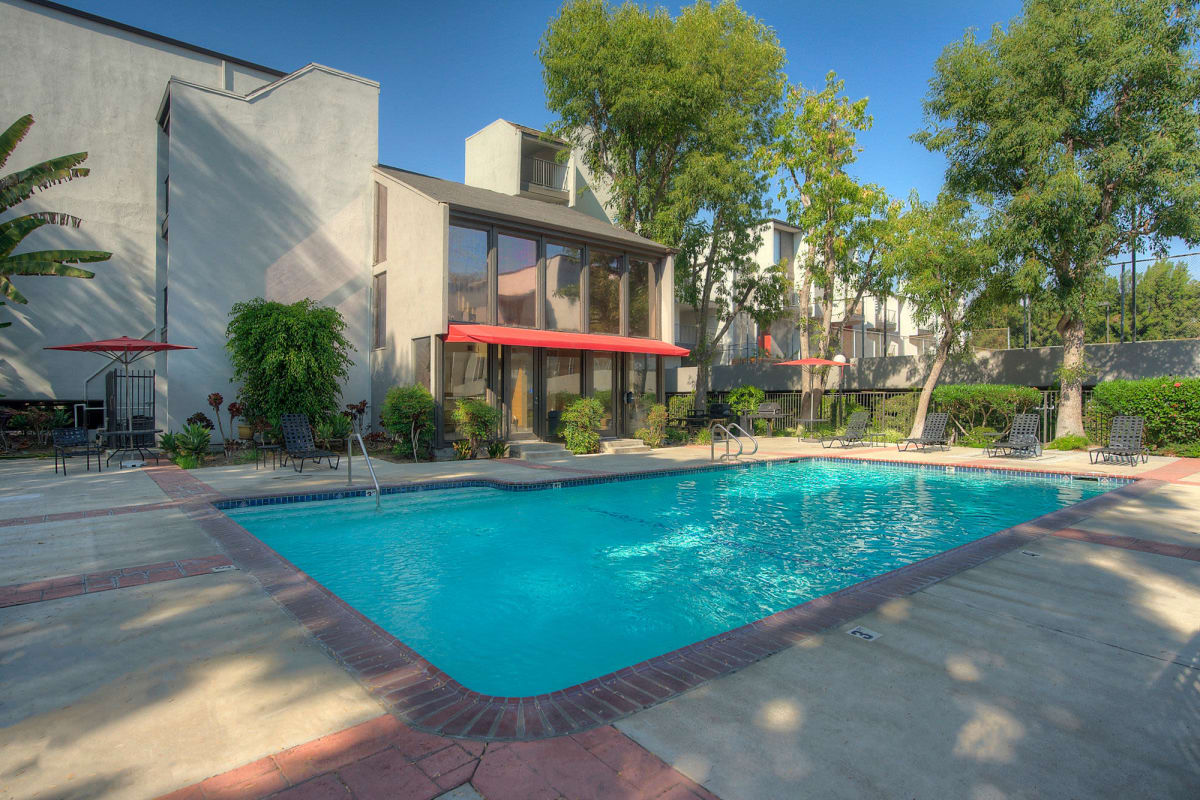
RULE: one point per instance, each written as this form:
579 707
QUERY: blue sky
450 67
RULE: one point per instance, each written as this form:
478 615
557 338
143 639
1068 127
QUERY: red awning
496 334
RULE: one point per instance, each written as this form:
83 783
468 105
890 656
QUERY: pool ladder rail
350 463
728 437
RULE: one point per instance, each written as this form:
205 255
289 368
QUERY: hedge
979 405
1170 405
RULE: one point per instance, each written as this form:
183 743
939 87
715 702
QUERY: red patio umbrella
811 362
124 351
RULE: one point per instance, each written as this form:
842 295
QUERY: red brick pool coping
430 700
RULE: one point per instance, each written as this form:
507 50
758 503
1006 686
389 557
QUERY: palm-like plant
19 186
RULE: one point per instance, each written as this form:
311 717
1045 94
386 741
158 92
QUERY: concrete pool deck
1075 671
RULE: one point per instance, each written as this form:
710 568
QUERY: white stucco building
215 180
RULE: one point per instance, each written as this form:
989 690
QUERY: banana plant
15 188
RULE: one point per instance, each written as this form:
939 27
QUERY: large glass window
468 282
562 287
422 356
564 374
642 311
464 374
604 292
641 381
516 267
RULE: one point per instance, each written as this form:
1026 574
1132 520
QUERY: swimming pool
521 593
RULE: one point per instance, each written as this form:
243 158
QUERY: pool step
623 446
537 451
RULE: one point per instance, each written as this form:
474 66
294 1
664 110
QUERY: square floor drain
224 568
866 634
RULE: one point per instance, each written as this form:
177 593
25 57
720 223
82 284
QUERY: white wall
97 89
271 196
493 158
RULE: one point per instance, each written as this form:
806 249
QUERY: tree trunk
703 369
935 372
1070 398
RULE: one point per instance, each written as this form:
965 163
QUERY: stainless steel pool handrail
748 435
715 428
350 463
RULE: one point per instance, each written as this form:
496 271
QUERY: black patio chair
298 445
70 442
1125 443
856 431
1022 439
933 434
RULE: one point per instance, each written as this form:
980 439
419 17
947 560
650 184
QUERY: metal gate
128 400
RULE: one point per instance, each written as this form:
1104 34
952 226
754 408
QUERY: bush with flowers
1170 405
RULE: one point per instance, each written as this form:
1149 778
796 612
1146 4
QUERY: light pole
1106 305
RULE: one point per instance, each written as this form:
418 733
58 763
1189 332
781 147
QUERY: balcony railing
550 174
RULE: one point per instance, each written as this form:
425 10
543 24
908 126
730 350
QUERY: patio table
129 445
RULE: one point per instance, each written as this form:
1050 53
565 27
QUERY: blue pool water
519 593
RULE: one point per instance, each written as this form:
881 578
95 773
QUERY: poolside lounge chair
933 434
856 431
71 442
1022 439
1124 442
298 443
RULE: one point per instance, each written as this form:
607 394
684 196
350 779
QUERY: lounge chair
298 443
1022 439
1124 442
71 442
856 431
933 434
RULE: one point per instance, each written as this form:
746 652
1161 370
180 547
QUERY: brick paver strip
430 700
1131 543
19 594
383 758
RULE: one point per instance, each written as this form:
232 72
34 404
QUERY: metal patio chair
933 434
298 445
856 431
1125 443
71 442
1022 439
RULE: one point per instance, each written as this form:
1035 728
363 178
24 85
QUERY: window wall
379 310
468 280
516 281
464 374
564 268
564 382
525 279
604 292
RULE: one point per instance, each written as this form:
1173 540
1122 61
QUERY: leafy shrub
655 432
580 425
200 418
462 449
193 440
1170 405
977 405
680 405
898 411
476 420
703 436
187 461
497 448
676 435
1068 442
408 413
168 444
288 358
746 399
333 430
1181 450
977 437
761 428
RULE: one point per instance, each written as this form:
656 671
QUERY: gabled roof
461 197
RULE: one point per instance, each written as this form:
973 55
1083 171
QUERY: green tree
669 116
408 411
15 188
845 221
290 359
1080 127
947 269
